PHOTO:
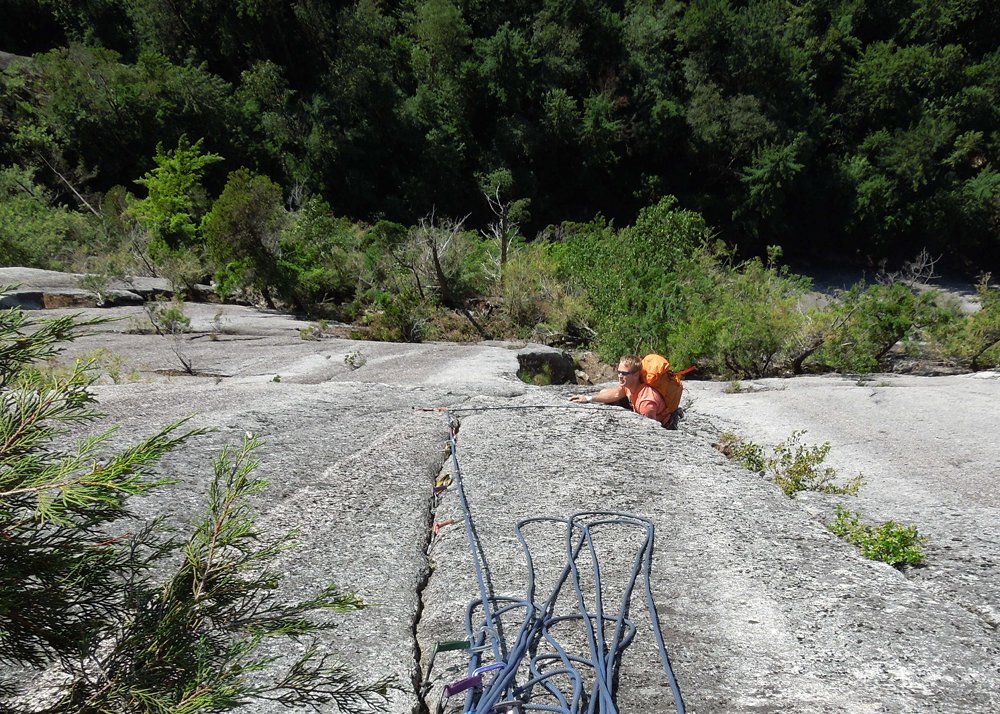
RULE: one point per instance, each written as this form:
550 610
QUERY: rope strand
556 680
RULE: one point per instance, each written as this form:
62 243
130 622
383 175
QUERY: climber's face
628 376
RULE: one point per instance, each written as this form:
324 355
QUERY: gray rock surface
926 447
763 609
36 289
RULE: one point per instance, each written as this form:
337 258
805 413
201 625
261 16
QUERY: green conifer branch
85 587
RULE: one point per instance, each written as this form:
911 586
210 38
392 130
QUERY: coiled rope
536 671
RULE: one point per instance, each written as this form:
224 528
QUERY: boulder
36 289
544 365
69 297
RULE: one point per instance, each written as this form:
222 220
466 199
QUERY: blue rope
557 681
479 562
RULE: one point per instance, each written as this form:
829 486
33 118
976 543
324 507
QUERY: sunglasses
625 374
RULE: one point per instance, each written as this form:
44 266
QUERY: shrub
535 303
175 200
661 285
793 466
169 321
631 278
242 232
746 453
972 340
130 617
748 320
889 542
437 261
183 268
35 232
399 318
796 467
321 255
867 321
167 318
693 330
111 364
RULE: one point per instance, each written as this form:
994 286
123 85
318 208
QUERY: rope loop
542 666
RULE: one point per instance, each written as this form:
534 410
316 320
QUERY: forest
409 165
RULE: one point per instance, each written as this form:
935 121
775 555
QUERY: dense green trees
859 130
394 162
242 234
571 171
175 201
34 230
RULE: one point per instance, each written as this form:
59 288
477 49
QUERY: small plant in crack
748 454
735 387
793 466
890 542
168 319
218 325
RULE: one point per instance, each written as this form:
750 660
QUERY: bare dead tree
70 186
296 196
170 322
138 238
502 231
919 271
437 237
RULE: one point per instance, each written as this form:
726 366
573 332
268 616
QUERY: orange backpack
657 374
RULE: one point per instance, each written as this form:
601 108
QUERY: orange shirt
648 402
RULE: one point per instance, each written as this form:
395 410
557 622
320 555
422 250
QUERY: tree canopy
848 129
